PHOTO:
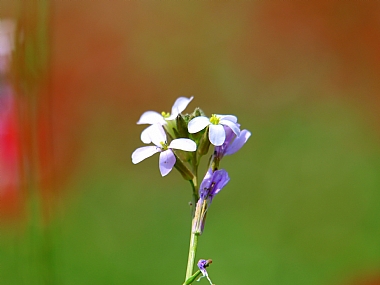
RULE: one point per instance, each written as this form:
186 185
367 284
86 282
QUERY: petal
167 161
238 142
157 134
197 124
151 117
144 152
179 105
220 178
233 126
204 188
217 135
145 137
228 117
183 144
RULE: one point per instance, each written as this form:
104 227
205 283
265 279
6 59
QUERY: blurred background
303 203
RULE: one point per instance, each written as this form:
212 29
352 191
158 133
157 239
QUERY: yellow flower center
164 145
214 119
165 115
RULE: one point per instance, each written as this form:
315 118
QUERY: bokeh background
303 203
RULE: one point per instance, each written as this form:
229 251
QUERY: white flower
167 158
217 134
152 117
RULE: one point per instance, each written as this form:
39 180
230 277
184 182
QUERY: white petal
157 134
228 117
145 137
233 126
151 117
143 152
179 105
217 135
238 142
183 144
167 161
197 124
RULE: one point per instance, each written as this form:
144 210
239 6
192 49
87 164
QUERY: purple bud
211 185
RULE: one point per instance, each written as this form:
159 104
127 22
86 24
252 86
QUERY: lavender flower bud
211 185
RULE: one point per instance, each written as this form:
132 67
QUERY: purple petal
217 135
167 161
143 152
204 188
233 126
220 178
179 105
183 144
157 134
228 117
238 142
197 124
151 117
202 266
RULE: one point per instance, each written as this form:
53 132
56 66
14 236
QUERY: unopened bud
197 113
204 143
181 128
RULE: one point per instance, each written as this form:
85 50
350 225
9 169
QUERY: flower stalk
192 252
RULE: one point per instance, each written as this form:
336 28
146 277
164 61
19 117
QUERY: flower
167 157
211 185
232 142
202 264
152 117
217 133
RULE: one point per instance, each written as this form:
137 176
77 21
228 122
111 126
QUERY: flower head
152 117
167 158
216 123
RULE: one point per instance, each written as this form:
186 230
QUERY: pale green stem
193 237
193 277
192 252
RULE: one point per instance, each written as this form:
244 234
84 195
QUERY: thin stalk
192 252
193 277
194 197
193 237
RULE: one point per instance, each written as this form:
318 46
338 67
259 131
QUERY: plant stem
192 252
193 237
194 197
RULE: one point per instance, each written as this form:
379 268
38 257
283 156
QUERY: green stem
194 197
192 252
193 237
193 277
